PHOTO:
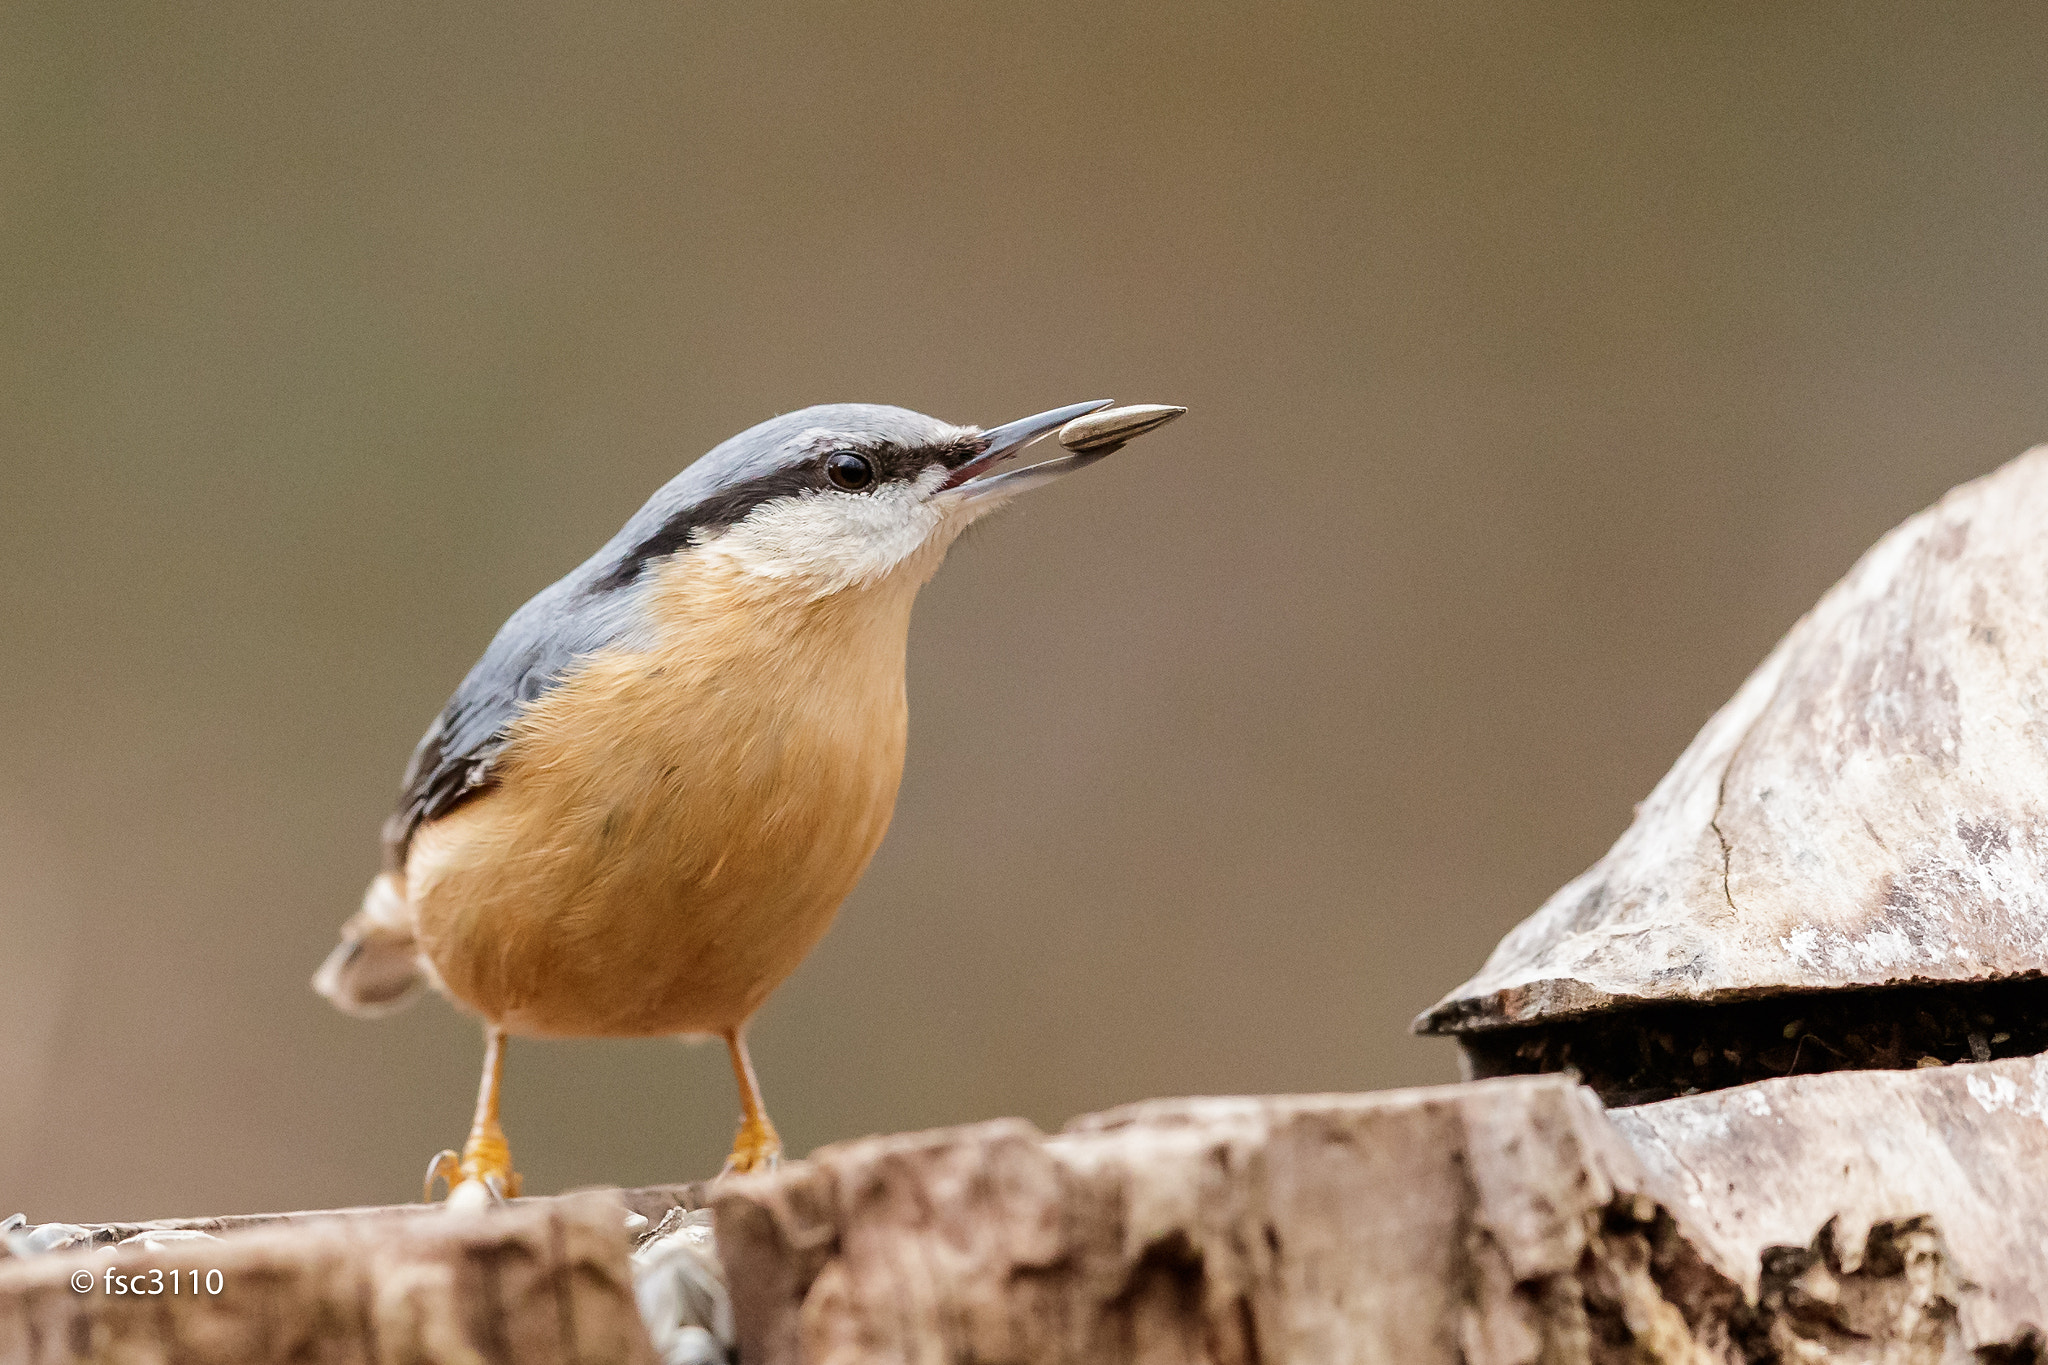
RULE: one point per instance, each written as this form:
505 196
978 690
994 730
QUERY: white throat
826 542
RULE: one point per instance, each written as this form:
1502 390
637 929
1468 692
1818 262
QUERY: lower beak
1011 437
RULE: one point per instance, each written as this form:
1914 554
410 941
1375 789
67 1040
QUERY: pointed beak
1085 429
1011 437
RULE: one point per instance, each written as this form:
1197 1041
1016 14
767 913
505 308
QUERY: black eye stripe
805 473
706 518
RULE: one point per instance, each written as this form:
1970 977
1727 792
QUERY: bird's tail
376 968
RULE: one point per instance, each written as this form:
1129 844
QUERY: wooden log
1500 1221
519 1286
1766 1166
1868 810
651 1202
1863 1216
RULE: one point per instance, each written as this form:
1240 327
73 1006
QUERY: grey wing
534 652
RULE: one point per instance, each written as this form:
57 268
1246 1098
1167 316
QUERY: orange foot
485 1162
754 1148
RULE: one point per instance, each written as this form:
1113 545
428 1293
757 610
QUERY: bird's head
842 495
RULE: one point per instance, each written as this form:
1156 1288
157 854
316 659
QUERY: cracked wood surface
544 1282
651 1202
1868 1216
1499 1221
1870 808
1766 1165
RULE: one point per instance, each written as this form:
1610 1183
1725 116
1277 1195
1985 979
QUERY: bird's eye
849 471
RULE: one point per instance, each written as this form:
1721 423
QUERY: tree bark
1873 1216
521 1286
1491 1222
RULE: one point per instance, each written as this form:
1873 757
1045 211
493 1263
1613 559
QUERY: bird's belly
661 888
549 938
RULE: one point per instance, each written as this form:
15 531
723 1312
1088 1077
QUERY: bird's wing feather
534 652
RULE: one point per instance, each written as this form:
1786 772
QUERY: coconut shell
1870 809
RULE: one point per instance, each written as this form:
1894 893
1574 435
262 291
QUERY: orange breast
673 829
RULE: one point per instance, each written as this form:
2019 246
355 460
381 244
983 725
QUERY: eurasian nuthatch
646 802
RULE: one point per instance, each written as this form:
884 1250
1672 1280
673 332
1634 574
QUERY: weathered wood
518 1286
1870 808
1494 1222
1768 1164
651 1202
1863 1216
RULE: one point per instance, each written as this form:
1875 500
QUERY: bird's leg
486 1158
755 1147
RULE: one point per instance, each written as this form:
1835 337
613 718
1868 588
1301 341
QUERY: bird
645 803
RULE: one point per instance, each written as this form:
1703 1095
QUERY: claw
755 1148
446 1167
481 1174
483 1169
486 1161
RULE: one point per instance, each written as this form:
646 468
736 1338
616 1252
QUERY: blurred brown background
1546 362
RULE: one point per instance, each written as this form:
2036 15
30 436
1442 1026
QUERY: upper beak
1011 437
1087 438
